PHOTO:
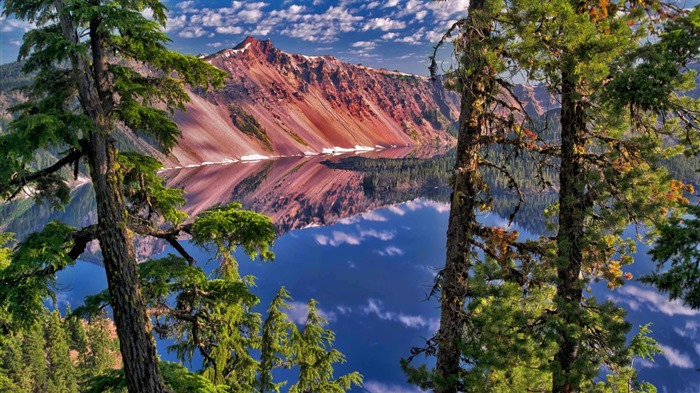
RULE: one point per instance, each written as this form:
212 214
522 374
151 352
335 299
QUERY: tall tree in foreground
609 164
477 87
491 118
84 53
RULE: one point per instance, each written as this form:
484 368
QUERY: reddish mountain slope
275 103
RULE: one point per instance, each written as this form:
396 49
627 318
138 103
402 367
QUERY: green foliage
176 377
12 76
314 353
102 347
30 277
276 342
247 123
75 330
146 191
677 258
61 371
228 227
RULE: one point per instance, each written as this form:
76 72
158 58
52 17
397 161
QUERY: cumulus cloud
653 301
175 22
675 357
383 24
298 312
323 27
376 307
413 39
192 32
229 30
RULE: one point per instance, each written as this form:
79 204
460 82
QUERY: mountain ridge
279 104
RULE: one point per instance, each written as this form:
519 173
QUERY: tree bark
467 184
569 238
136 341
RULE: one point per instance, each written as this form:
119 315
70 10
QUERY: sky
392 34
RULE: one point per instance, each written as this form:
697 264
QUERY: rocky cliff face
275 103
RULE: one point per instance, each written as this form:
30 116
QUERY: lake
367 249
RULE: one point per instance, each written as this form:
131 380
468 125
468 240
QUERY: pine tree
609 172
275 346
77 337
314 355
491 119
34 359
61 371
83 89
101 354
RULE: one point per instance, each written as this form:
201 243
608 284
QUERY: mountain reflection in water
366 243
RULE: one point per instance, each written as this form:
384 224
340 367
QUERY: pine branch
169 235
73 157
80 240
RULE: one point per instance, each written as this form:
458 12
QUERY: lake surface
368 254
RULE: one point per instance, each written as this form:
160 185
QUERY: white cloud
418 203
192 32
186 5
364 45
369 216
9 25
675 358
298 312
323 27
644 363
391 3
690 329
250 15
391 251
344 310
655 301
175 22
420 15
381 235
413 39
444 10
383 24
229 30
378 387
375 307
395 209
338 238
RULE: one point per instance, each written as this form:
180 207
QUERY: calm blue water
371 273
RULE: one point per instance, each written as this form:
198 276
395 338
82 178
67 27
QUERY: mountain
275 103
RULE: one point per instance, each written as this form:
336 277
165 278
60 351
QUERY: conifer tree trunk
569 238
128 305
476 87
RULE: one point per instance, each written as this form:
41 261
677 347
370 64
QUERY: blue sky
393 34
